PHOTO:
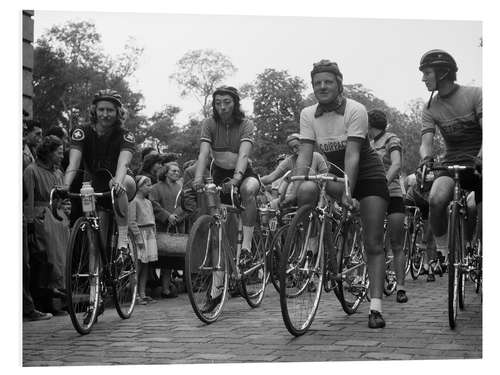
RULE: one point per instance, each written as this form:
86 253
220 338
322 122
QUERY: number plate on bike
273 223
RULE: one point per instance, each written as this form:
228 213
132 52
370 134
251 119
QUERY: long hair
49 144
238 114
121 114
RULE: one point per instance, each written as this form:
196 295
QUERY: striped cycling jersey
384 144
457 115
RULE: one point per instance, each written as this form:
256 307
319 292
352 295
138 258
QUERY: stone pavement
168 332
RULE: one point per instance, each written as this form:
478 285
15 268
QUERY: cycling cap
293 136
326 66
377 119
108 95
438 58
227 90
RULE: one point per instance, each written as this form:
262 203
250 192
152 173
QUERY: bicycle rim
453 269
406 250
201 270
83 274
353 283
253 280
124 274
416 258
301 271
277 245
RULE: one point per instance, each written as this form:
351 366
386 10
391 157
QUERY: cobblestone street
168 332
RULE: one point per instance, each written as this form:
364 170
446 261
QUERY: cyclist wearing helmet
228 136
389 147
339 126
457 111
318 165
105 144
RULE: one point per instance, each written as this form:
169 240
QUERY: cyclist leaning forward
389 147
457 112
339 126
105 147
228 136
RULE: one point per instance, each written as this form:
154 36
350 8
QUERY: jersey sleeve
247 131
127 142
320 163
284 166
428 124
78 138
206 132
307 133
357 123
393 143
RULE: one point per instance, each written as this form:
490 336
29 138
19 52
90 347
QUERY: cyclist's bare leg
248 190
121 202
396 233
439 197
372 209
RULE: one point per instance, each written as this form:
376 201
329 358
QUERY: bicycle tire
453 269
407 249
416 258
301 272
462 273
124 278
201 245
353 283
254 272
276 250
79 281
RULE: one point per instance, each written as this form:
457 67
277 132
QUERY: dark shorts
396 205
469 181
222 175
366 188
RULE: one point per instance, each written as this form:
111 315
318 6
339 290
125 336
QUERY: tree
200 72
162 128
70 66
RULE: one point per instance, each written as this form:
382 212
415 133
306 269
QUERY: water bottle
88 200
211 190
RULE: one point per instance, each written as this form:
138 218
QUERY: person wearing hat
151 166
228 136
105 149
318 165
390 149
458 113
339 127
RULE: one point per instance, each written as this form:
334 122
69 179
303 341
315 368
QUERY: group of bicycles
300 251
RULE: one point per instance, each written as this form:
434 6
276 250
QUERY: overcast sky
383 55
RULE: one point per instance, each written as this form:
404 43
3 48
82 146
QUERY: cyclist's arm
273 176
124 160
351 160
395 168
241 164
75 158
201 165
426 145
304 161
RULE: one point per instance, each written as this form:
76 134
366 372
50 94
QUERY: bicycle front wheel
417 251
83 276
301 271
124 275
407 249
276 251
454 243
206 269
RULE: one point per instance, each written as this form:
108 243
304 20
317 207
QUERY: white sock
217 280
122 236
376 304
442 244
247 237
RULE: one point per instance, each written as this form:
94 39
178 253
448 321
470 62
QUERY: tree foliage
200 72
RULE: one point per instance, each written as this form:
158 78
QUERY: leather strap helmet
438 58
108 95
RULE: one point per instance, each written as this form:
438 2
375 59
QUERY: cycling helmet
108 95
377 119
293 136
438 58
227 90
326 65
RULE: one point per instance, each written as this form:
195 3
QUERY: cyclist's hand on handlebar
61 191
349 202
197 184
427 162
119 188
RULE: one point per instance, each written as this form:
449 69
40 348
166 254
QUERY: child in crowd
142 224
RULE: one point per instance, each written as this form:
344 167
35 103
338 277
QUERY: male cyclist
228 136
457 111
339 126
389 147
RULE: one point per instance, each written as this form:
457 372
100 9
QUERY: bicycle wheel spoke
125 278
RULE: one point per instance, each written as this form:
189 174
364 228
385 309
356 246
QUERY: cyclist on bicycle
105 145
389 147
457 111
228 137
339 126
289 163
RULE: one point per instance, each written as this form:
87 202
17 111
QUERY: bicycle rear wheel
254 271
453 266
407 249
83 276
416 253
301 271
124 275
204 269
276 251
353 283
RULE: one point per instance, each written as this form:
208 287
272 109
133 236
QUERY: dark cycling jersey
101 152
457 116
384 144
